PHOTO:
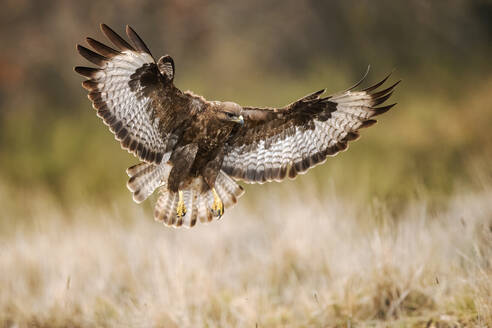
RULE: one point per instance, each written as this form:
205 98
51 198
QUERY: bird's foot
218 206
181 208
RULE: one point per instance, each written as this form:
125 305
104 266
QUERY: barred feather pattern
298 147
116 91
197 203
136 98
145 178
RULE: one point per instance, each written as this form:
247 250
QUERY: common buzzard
192 149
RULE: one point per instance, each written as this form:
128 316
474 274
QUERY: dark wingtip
137 40
103 27
114 37
380 100
319 92
381 93
377 85
367 124
314 95
91 56
86 71
102 48
361 80
380 110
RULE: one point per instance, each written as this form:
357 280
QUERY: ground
336 262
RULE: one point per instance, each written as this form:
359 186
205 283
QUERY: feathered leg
198 204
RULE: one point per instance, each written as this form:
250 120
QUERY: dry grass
397 243
336 262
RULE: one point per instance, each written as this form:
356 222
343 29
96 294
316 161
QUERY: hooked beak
239 119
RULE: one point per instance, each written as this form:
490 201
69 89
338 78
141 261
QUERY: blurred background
256 53
436 143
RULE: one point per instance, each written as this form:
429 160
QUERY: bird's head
229 111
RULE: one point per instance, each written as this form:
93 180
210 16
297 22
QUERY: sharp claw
181 212
181 208
217 211
218 206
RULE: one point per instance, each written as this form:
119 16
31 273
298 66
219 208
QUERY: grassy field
395 232
282 261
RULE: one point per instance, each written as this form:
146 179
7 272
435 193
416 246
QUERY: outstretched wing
140 105
276 143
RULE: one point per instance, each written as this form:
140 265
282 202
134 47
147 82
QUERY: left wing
133 96
275 143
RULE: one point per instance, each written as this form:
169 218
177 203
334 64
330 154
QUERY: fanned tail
229 191
197 203
145 178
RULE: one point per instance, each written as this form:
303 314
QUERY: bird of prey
192 149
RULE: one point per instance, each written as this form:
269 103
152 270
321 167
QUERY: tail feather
192 205
145 178
227 199
161 207
132 170
198 204
172 218
204 205
164 207
228 190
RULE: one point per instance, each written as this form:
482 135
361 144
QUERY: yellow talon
181 209
217 206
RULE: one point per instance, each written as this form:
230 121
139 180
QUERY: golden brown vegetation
395 232
310 262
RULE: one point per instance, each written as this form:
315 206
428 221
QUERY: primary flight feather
192 149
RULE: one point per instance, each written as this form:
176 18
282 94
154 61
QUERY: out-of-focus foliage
262 53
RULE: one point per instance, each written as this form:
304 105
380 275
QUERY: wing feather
137 41
117 40
276 143
91 56
140 106
102 48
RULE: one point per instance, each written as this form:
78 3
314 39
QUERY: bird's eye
230 115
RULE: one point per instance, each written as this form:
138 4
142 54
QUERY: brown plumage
192 149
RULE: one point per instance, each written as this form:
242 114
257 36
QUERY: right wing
276 143
141 106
